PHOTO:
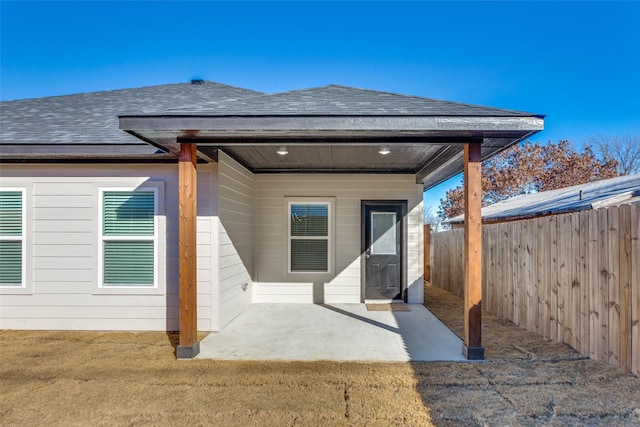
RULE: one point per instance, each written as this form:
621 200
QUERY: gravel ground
116 378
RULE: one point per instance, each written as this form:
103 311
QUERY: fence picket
553 283
625 284
544 275
603 284
595 344
583 274
564 257
635 288
575 284
528 275
613 282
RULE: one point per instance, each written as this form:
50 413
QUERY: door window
383 233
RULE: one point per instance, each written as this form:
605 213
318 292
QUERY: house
591 195
174 207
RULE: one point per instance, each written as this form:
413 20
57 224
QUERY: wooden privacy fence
573 278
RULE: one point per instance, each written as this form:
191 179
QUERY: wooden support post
472 348
427 252
188 346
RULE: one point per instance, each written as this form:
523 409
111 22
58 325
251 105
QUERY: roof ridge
114 91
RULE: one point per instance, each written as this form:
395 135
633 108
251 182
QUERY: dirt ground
114 378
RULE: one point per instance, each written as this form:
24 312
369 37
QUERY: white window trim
155 238
22 238
330 202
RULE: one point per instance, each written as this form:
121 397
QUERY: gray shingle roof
92 118
335 100
591 195
86 125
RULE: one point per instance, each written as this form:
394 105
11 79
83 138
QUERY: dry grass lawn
112 378
82 378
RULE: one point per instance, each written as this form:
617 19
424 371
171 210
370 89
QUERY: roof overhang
431 147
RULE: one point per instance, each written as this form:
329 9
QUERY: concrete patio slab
339 332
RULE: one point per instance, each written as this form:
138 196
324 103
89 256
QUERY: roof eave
188 125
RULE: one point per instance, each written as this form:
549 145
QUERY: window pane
10 213
128 263
309 255
309 220
11 263
383 233
128 213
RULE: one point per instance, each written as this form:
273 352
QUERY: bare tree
431 217
625 149
530 168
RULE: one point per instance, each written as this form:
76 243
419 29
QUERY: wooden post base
473 353
188 351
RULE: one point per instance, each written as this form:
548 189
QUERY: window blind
309 255
11 235
309 220
130 215
10 213
10 263
309 238
128 263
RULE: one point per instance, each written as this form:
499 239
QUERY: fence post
427 252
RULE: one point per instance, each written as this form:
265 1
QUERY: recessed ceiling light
282 151
384 151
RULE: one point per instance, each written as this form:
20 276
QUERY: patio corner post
188 346
472 347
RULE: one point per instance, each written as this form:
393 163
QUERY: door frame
403 204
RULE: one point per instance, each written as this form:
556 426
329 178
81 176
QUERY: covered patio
315 332
336 129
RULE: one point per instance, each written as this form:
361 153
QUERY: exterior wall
63 238
273 283
242 242
236 231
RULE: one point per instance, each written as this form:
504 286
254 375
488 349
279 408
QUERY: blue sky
576 62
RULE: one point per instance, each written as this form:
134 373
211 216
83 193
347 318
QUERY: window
310 228
383 233
129 243
12 238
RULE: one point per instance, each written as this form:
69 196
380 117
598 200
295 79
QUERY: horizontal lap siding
206 247
63 242
236 231
344 286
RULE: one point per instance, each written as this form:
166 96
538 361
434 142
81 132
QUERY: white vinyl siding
12 238
129 238
308 237
235 237
63 236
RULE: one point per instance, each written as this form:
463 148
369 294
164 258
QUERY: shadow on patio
339 332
